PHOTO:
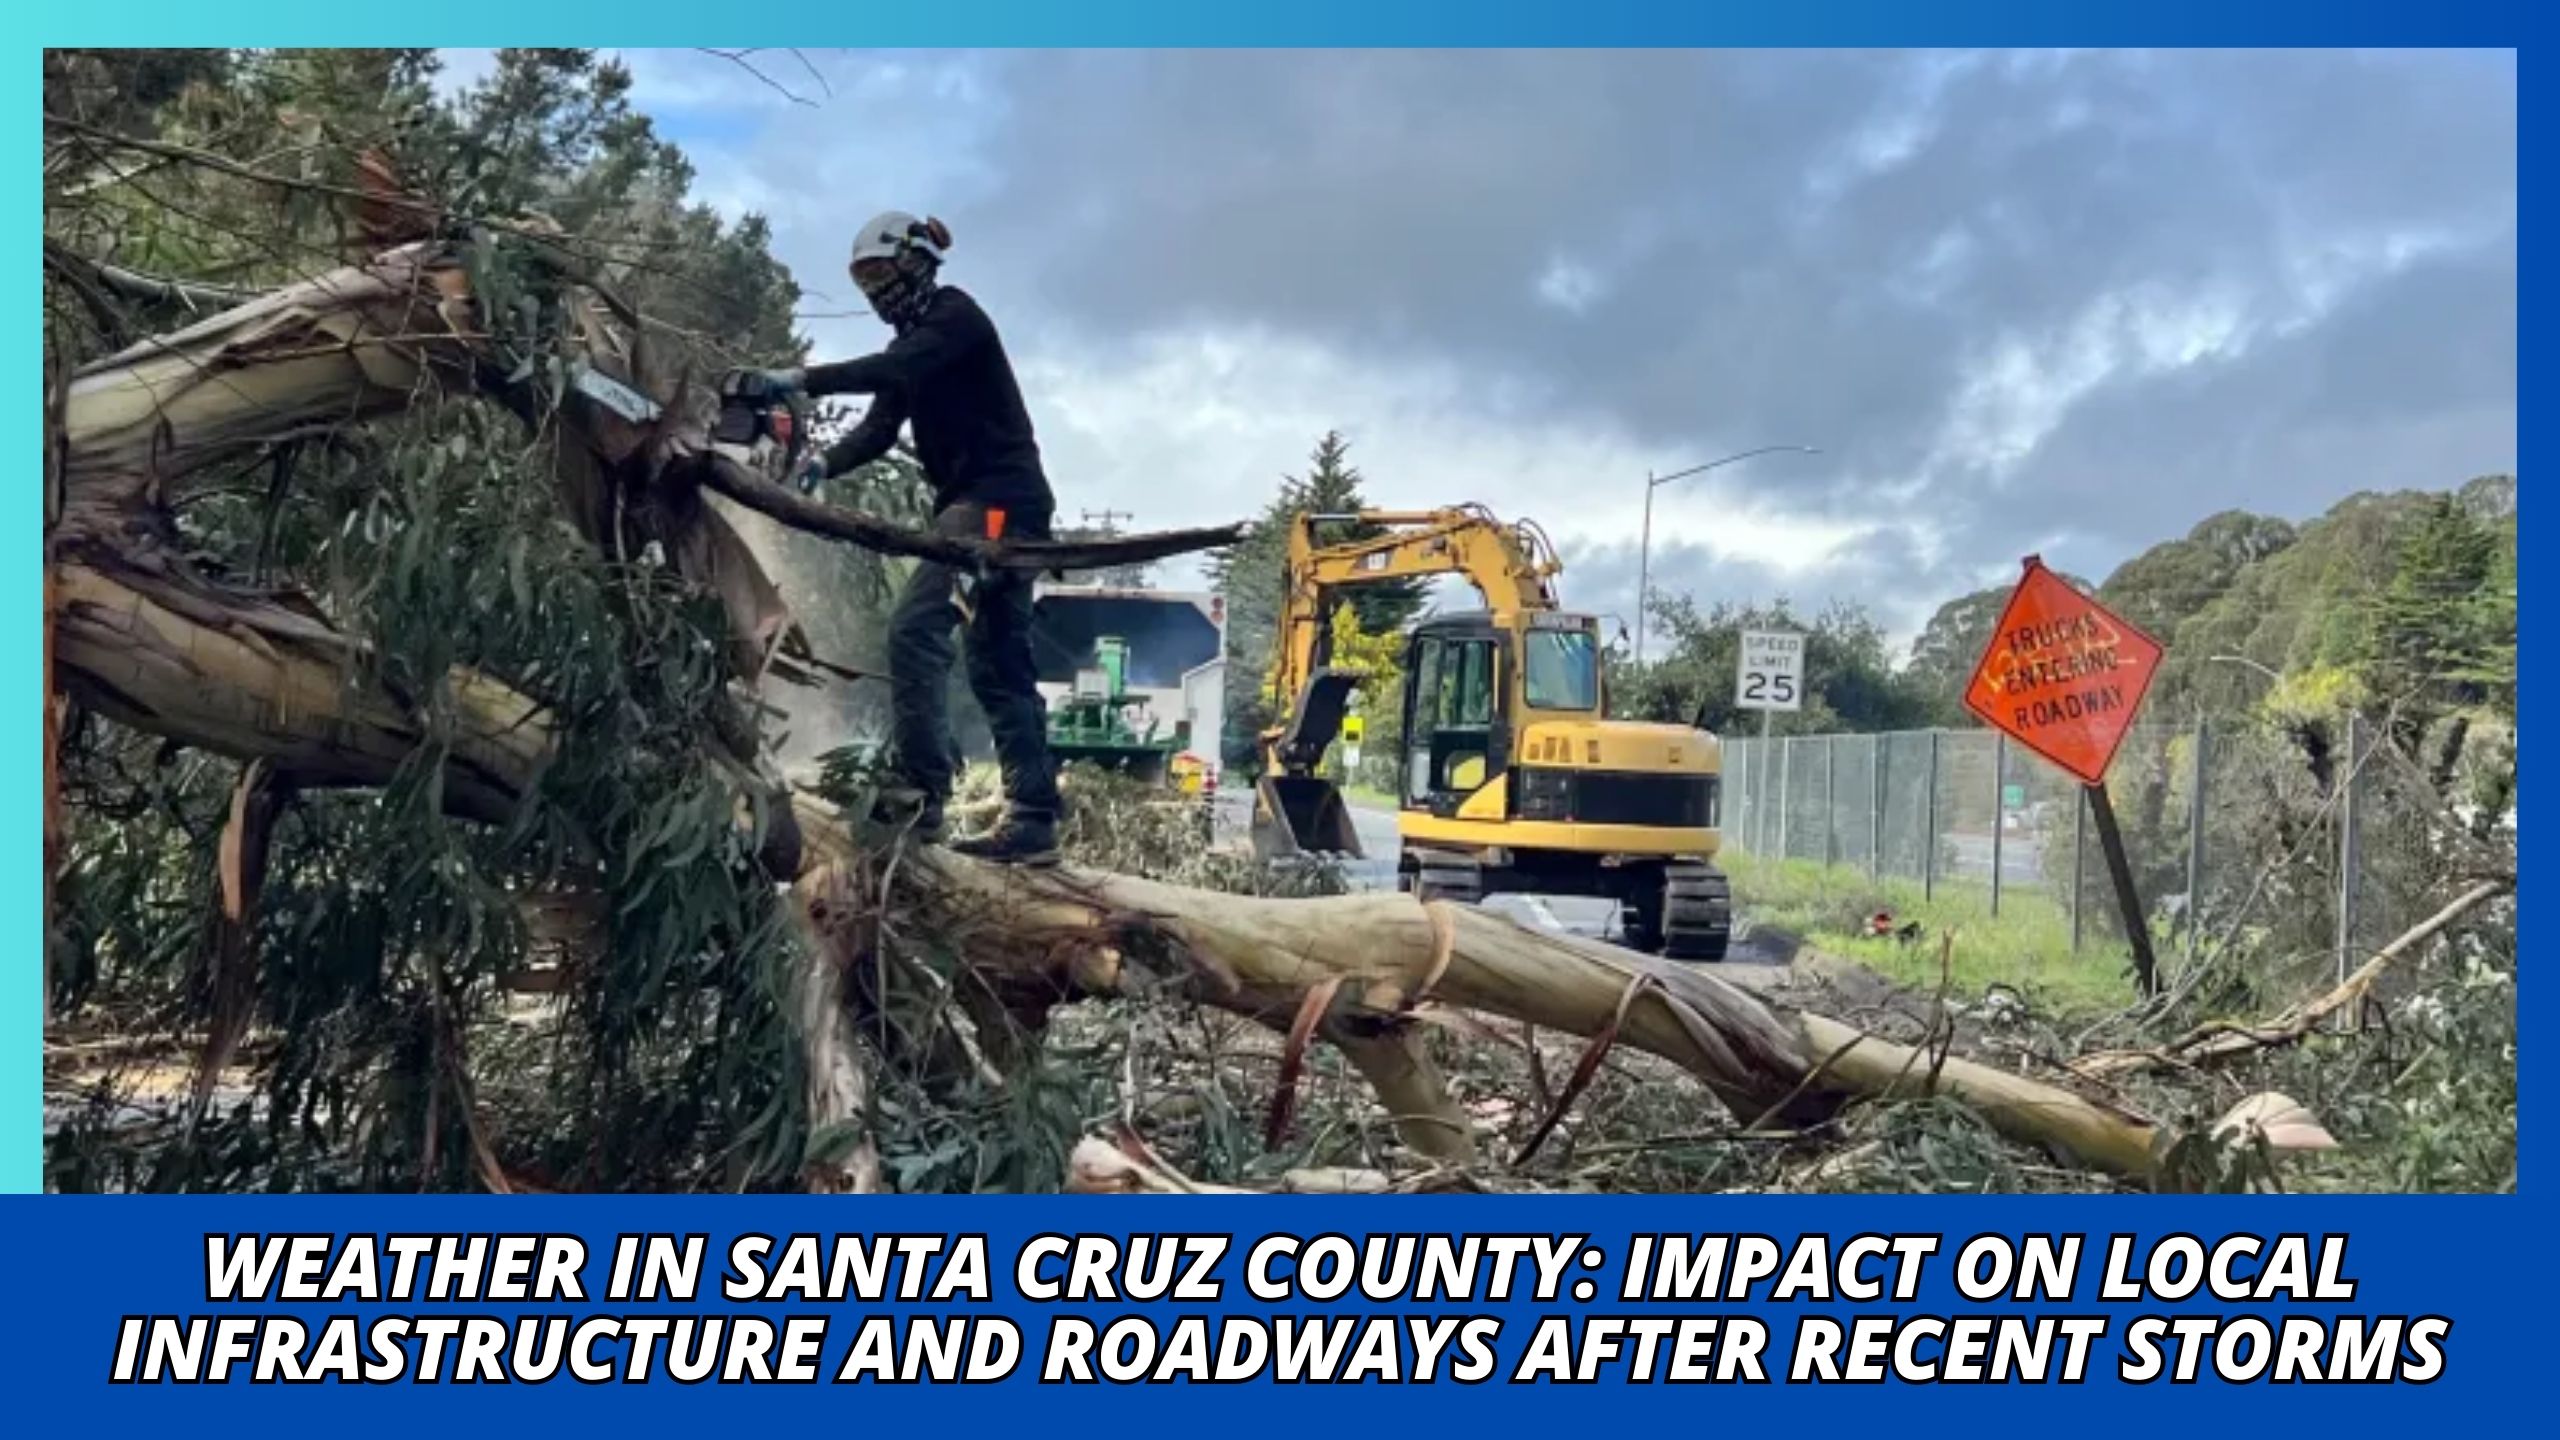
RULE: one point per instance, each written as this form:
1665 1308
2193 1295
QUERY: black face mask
902 298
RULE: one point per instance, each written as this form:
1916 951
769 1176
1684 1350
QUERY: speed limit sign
1772 671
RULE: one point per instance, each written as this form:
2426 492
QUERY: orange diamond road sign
2062 675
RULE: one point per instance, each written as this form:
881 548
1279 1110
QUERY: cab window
1467 694
1447 744
1561 670
1425 719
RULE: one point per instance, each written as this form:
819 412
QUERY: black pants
1000 671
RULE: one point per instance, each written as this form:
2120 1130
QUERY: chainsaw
766 430
763 427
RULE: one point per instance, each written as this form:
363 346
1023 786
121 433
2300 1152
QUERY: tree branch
727 477
739 59
2223 1040
208 160
139 286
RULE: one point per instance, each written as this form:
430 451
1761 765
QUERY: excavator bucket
1301 815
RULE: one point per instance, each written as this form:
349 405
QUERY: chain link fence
2233 829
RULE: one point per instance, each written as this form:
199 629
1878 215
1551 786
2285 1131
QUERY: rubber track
1697 913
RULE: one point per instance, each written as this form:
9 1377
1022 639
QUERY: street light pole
1644 565
1644 555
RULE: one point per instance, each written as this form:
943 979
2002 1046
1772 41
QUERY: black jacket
948 375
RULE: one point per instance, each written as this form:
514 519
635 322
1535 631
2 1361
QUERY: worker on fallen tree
945 373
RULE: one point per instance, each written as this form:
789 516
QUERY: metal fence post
1753 784
1746 797
1786 788
1734 796
1929 834
1830 798
2350 850
1875 807
1759 783
2195 841
2079 840
1764 791
1999 811
1759 795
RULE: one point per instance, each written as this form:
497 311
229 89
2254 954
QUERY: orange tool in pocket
995 523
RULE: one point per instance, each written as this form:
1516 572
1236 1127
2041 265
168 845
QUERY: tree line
2260 616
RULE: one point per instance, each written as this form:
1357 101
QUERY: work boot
912 813
1020 840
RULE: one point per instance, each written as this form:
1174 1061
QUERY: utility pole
1644 578
1102 523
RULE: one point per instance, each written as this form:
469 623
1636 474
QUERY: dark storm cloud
2206 271
2069 303
1875 572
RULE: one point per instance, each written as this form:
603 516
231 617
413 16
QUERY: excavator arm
1512 566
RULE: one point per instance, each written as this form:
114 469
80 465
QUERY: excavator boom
1511 565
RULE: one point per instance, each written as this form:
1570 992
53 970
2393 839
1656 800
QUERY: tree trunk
1385 954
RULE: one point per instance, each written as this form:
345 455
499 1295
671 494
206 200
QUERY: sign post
2064 677
1770 677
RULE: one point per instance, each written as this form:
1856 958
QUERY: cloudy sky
2060 303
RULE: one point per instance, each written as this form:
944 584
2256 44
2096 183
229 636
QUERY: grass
2026 947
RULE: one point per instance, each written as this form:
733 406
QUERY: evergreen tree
2441 632
1252 576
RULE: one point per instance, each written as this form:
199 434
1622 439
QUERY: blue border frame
1090 23
1375 23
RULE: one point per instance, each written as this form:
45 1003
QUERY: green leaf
833 1143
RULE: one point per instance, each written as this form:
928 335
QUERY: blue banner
138 1314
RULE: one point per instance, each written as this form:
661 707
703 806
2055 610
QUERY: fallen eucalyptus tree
140 633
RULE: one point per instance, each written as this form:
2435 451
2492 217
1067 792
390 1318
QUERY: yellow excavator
1511 778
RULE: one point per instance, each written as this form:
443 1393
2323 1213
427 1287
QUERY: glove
813 473
758 385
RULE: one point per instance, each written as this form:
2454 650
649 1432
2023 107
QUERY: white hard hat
891 234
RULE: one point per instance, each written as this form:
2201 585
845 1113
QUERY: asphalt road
2021 857
1556 914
